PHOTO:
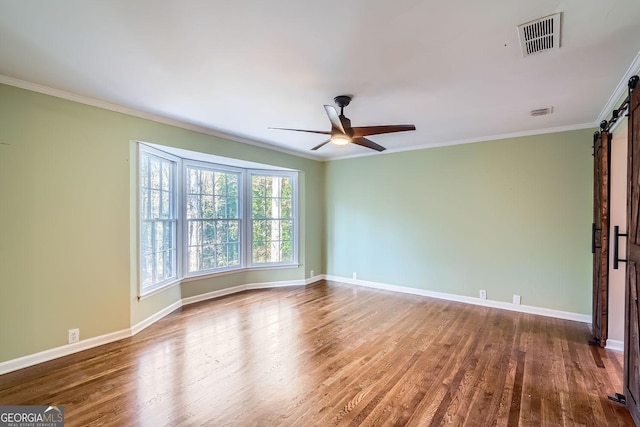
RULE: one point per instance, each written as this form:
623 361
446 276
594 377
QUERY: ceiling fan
342 133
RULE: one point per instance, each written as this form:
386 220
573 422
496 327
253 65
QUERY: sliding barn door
600 235
632 343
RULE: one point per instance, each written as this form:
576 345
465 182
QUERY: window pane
166 176
257 186
147 270
157 209
287 189
165 209
232 207
220 207
145 209
193 181
286 253
194 233
144 171
208 257
233 231
169 232
206 177
259 253
268 186
155 204
285 208
193 206
193 258
207 207
232 185
154 168
222 232
258 207
220 183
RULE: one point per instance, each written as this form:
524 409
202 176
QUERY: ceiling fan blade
368 143
376 130
321 145
336 122
323 132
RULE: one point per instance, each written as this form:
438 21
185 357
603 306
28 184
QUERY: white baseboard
213 294
281 284
65 350
155 317
615 345
249 286
584 318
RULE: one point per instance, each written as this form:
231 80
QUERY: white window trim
244 213
143 291
241 220
293 175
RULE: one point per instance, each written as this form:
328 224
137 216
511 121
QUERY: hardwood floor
333 354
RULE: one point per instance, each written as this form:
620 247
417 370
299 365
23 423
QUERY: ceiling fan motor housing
342 100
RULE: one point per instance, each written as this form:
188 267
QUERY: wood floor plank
334 354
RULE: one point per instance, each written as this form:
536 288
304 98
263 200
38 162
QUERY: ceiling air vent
541 111
540 35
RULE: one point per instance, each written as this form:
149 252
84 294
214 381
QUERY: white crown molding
615 345
548 312
34 87
212 132
619 91
487 138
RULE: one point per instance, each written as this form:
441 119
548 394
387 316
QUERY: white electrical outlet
483 294
73 336
517 299
355 276
311 274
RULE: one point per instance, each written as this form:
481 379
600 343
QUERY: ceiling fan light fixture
342 133
340 139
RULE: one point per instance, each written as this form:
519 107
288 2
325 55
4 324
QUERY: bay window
198 216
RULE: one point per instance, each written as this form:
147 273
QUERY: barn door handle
593 237
616 236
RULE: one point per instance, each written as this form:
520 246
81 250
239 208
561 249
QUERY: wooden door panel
634 350
632 321
601 155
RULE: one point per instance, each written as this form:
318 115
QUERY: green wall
67 206
511 216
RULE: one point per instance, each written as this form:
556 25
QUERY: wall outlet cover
73 336
311 274
517 299
483 294
355 276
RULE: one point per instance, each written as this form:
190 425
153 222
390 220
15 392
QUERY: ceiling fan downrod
342 101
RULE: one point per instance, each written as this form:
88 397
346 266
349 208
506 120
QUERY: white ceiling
454 69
